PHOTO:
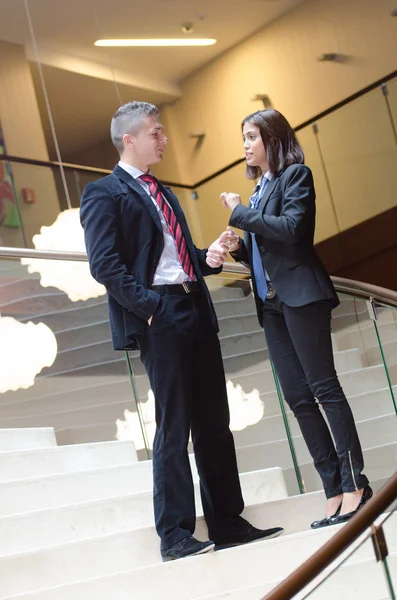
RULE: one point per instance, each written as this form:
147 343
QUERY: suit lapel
139 191
268 192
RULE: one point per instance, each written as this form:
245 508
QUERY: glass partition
385 322
58 368
374 554
361 369
265 431
357 141
343 149
346 581
88 392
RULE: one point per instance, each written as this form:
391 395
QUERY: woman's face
254 149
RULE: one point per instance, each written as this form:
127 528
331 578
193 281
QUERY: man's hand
231 239
216 254
230 200
150 320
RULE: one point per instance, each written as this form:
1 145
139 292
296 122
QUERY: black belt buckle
271 292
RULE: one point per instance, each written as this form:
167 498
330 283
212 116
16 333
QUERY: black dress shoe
242 532
367 495
326 521
188 546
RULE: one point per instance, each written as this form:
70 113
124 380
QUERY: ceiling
80 77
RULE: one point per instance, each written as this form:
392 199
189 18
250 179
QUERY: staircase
88 388
76 522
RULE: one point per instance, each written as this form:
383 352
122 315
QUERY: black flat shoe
189 546
326 521
367 495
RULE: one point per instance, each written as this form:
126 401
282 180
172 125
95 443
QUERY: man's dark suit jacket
124 240
284 231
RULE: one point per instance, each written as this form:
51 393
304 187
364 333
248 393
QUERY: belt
176 289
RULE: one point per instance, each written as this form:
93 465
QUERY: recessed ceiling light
156 42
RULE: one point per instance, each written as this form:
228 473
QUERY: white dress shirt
169 270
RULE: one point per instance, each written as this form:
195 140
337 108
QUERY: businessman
140 248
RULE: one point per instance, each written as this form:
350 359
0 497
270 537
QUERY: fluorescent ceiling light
157 42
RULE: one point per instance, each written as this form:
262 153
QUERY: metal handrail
321 559
351 287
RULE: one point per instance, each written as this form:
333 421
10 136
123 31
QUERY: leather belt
176 289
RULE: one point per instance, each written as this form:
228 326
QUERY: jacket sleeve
205 269
241 255
98 217
298 208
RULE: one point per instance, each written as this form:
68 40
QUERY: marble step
365 406
66 393
82 521
65 459
14 440
38 493
362 579
103 563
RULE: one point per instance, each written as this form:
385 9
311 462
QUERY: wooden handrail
321 559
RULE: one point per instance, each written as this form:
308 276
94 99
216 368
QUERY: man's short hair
128 119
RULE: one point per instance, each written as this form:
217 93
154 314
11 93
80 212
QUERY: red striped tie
173 224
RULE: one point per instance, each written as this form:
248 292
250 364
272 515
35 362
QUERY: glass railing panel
256 419
392 98
357 141
367 385
213 217
385 323
358 361
344 578
326 222
76 180
82 131
264 436
275 439
35 197
389 526
58 367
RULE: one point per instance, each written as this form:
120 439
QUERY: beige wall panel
326 224
190 208
19 112
281 61
360 155
392 88
169 169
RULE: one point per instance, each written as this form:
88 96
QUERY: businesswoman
294 298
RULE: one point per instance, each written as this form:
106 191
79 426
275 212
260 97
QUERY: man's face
147 146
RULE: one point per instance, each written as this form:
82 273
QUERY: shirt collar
263 179
133 171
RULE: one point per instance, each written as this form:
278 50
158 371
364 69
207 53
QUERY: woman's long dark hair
281 146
